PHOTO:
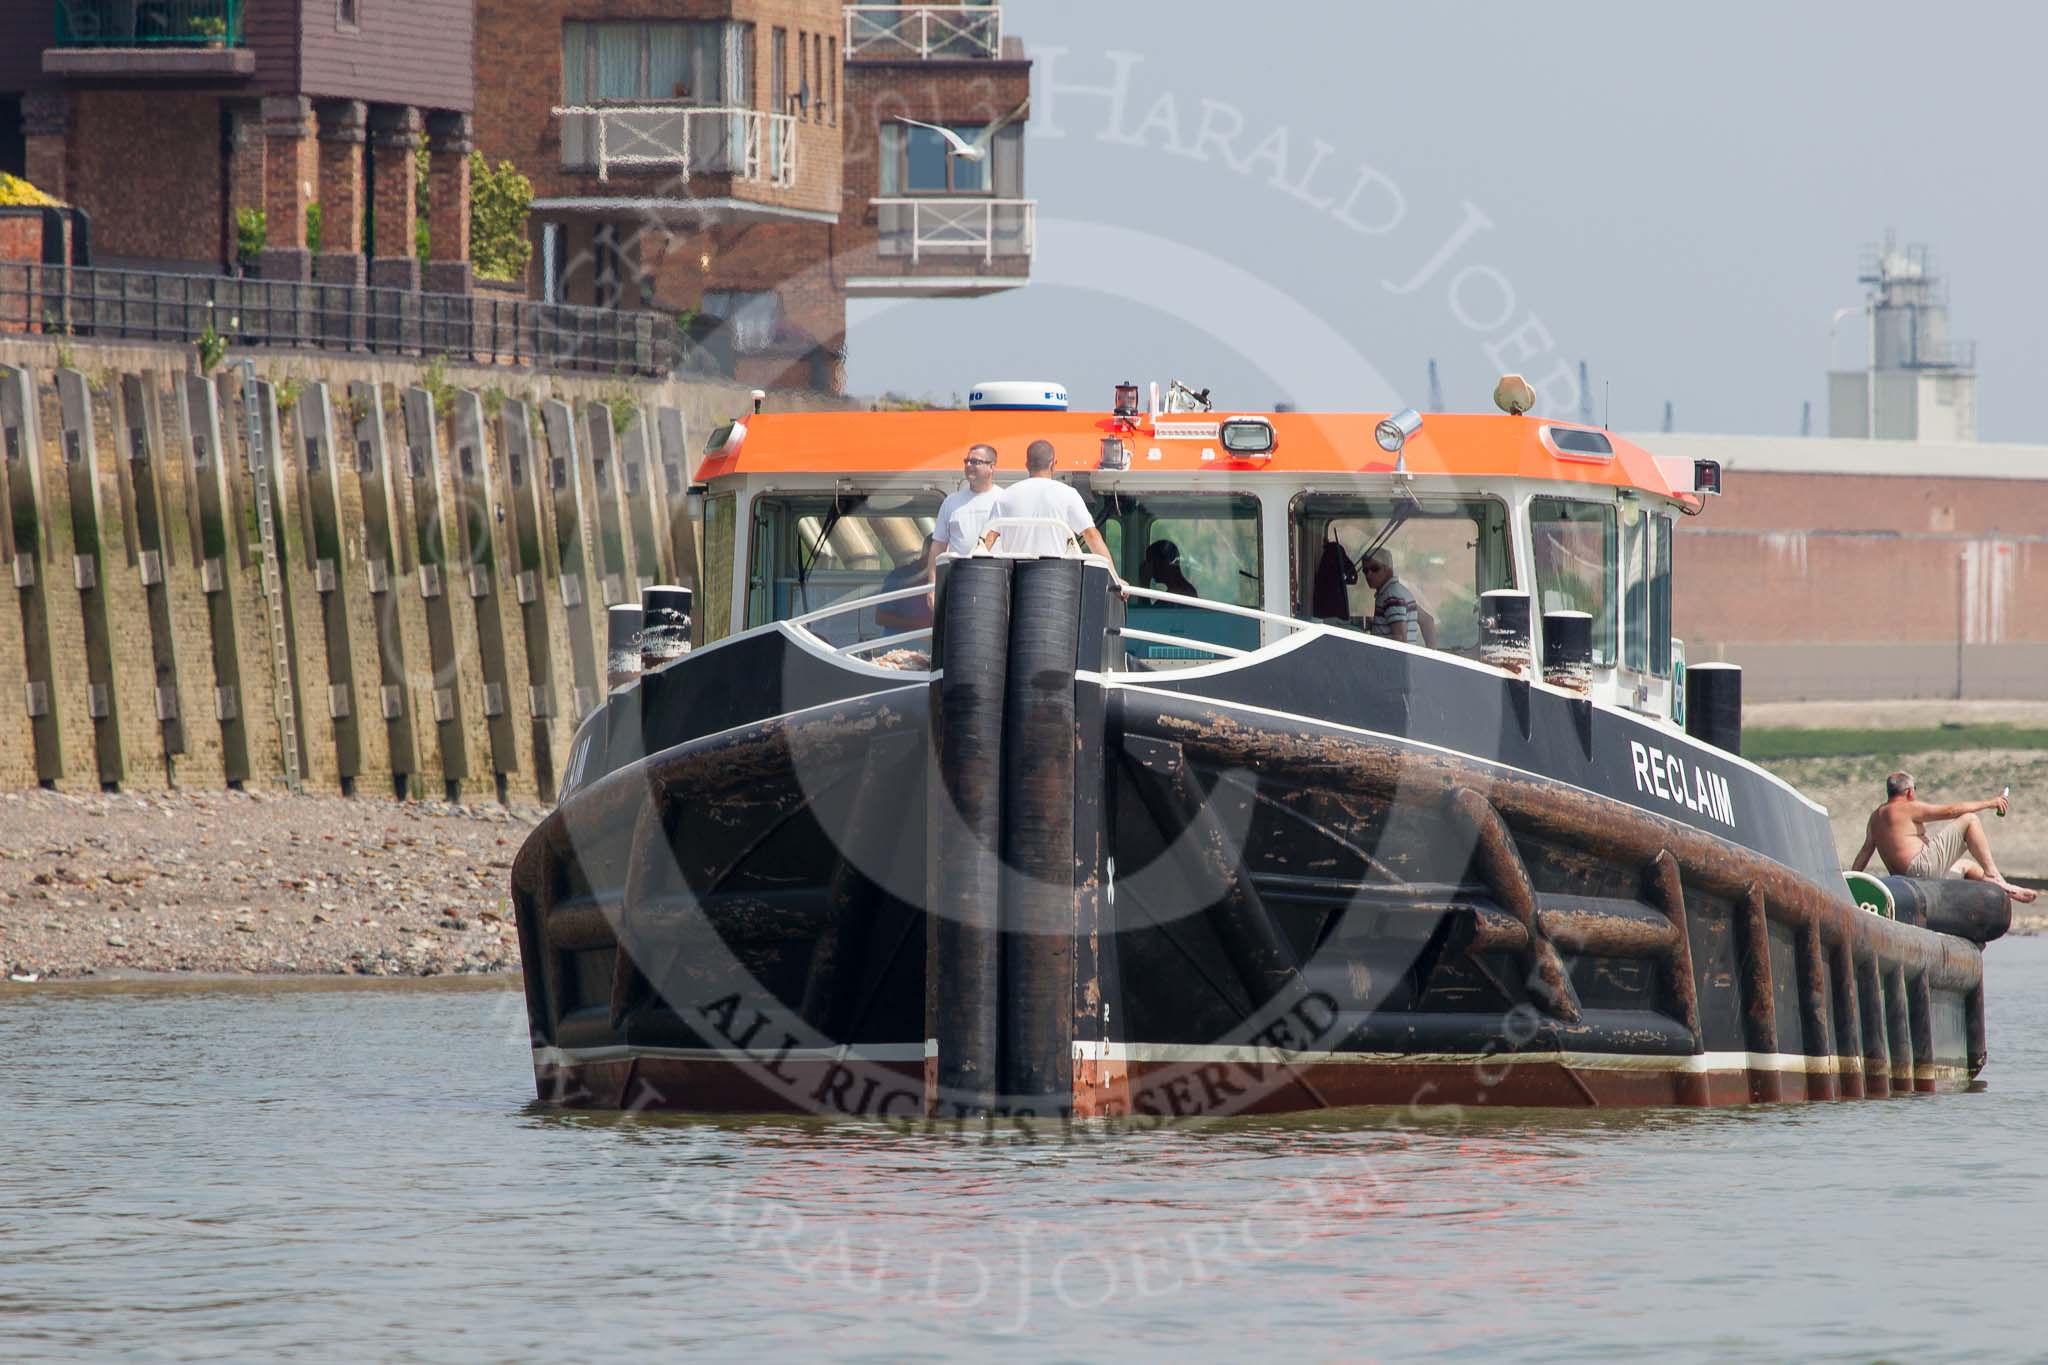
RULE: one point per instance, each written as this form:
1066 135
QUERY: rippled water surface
363 1174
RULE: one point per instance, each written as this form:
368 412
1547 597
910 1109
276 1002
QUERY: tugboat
1177 833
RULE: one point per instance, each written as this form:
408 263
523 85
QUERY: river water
247 1172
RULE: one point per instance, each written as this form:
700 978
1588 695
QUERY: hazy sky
1674 195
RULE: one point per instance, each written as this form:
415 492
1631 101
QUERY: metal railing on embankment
129 305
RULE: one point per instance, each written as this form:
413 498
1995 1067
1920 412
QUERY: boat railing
1288 624
1285 625
854 648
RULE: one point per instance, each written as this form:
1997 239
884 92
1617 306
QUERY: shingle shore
231 882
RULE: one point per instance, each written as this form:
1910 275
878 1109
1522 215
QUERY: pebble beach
250 883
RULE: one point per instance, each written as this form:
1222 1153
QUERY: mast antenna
1585 396
1436 390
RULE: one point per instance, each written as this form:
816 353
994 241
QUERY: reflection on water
199 1172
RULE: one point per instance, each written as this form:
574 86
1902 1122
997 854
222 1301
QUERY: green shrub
499 202
252 231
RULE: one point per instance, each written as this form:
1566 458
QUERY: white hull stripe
1696 1063
624 1052
1192 1053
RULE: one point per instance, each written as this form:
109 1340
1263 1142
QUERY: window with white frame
685 63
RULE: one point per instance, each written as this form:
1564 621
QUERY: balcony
945 247
163 39
901 33
680 141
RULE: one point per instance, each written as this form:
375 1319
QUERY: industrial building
1918 383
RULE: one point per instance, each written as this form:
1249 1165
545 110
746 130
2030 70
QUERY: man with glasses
1395 612
966 511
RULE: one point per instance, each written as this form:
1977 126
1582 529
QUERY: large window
700 64
1575 552
1447 550
952 212
809 550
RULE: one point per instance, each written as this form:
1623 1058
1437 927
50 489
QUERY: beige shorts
1938 855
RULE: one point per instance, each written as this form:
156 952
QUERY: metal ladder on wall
272 577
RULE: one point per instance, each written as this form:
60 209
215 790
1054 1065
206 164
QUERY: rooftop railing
899 32
680 139
149 23
130 305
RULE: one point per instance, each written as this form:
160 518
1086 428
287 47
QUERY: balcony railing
957 226
133 305
899 32
149 23
680 139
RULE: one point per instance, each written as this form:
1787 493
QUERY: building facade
1844 570
745 165
165 119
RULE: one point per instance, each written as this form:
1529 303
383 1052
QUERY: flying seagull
955 144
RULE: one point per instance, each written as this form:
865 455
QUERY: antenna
1606 403
1585 397
1436 390
1806 418
1667 414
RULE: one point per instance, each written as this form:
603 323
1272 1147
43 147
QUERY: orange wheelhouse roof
1466 445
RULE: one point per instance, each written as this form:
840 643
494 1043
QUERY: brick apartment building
743 162
161 118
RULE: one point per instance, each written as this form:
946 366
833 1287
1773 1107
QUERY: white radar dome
1017 395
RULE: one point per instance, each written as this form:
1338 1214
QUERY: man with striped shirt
1394 611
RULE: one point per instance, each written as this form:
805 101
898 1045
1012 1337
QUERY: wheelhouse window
1635 589
1446 550
1660 596
1574 545
718 564
810 550
1202 546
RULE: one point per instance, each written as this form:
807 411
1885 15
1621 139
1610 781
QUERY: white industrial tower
1917 384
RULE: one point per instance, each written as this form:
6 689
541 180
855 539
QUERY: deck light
1706 477
1115 454
1126 400
1249 438
1394 432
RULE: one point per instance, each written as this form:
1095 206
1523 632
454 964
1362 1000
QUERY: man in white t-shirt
967 510
1039 495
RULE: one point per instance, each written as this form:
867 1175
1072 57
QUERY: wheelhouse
1238 531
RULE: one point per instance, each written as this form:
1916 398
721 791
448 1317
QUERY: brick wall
21 235
1828 585
146 166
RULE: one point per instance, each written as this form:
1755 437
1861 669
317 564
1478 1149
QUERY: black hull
1332 874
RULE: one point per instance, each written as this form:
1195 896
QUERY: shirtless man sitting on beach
1898 831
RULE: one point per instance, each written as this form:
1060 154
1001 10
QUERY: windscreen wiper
840 507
